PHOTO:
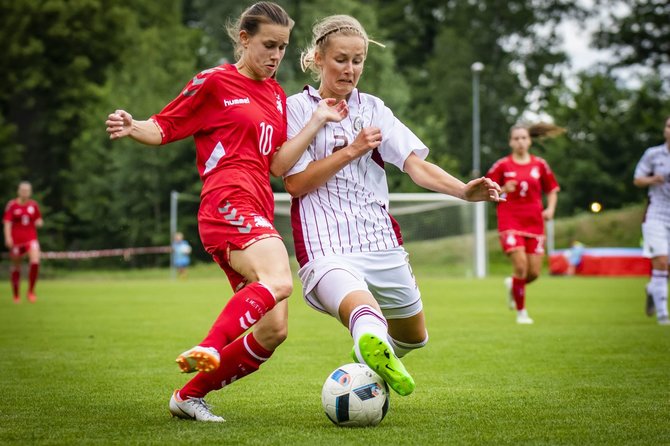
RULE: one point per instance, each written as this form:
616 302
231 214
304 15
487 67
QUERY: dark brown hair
253 17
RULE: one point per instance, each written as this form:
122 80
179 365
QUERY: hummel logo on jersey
509 174
229 102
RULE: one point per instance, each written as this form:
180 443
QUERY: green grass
92 362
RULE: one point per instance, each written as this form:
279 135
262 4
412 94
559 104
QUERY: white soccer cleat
664 320
511 304
523 318
192 409
201 359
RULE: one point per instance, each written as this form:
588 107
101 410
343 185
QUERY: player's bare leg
34 259
520 266
408 334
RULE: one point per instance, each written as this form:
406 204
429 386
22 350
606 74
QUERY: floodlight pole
480 207
174 199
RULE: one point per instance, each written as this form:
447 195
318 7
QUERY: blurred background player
237 116
349 247
653 171
181 252
21 219
574 256
524 178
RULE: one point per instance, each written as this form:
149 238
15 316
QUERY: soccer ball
354 395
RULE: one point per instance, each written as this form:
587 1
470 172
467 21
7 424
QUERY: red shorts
21 249
531 244
226 224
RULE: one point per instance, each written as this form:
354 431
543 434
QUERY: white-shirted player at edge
353 265
653 171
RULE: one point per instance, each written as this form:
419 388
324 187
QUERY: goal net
437 230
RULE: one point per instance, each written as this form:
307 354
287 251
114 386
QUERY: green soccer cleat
380 358
353 355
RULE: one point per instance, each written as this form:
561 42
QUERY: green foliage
640 37
68 63
609 127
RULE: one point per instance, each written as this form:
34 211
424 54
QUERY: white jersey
656 161
349 213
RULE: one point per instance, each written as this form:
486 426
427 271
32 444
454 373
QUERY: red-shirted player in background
237 116
21 219
524 178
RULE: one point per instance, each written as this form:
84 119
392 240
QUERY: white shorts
656 235
386 275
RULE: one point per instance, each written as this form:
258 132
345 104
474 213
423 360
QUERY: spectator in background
524 178
21 219
181 254
653 172
574 256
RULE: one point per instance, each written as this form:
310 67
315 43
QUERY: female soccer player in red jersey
349 247
21 219
524 178
237 116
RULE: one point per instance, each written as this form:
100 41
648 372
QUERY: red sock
32 276
519 292
239 359
242 311
16 279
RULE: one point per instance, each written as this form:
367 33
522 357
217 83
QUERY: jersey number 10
265 140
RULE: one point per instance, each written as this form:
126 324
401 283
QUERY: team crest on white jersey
535 172
358 124
262 222
279 106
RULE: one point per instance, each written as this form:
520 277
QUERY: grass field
92 362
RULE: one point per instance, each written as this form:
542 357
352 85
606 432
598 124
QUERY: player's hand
9 243
509 186
482 189
329 110
656 179
369 138
119 124
548 214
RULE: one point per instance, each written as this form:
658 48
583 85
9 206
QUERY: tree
609 127
640 37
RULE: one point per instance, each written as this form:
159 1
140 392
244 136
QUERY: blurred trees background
68 63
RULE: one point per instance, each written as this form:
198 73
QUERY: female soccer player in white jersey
524 178
353 265
236 114
653 171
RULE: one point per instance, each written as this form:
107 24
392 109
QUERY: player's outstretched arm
121 124
552 200
432 177
328 111
7 228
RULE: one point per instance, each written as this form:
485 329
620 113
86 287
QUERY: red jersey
238 124
23 218
522 212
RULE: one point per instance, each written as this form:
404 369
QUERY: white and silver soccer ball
355 396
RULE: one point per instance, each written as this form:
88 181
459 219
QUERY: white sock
523 312
365 319
658 287
402 348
